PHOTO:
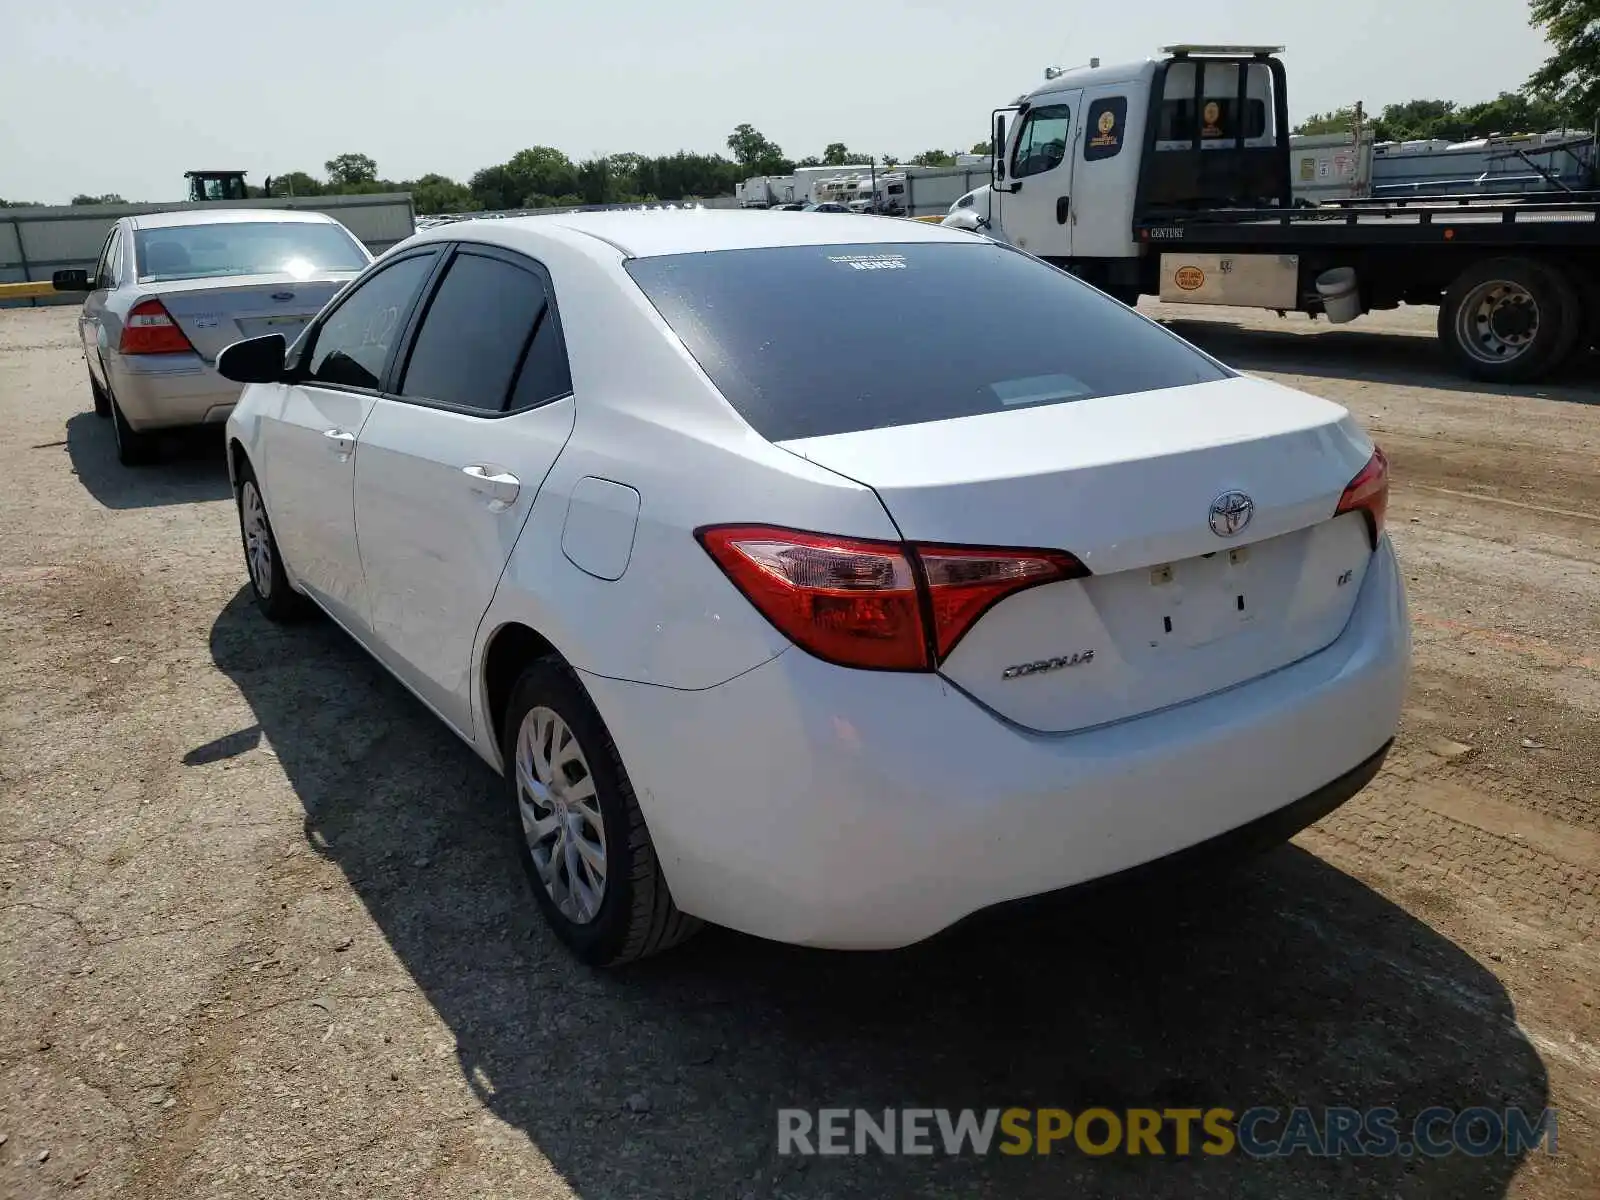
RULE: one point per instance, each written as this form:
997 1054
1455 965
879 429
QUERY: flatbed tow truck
1172 177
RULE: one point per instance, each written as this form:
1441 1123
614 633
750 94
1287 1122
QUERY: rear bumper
161 391
852 809
1222 852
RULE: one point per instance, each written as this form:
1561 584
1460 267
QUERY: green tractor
217 185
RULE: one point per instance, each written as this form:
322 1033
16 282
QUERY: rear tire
133 448
269 583
572 808
1575 328
1509 320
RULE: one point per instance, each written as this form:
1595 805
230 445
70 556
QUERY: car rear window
806 341
298 248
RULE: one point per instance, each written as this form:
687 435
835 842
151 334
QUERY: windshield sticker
870 262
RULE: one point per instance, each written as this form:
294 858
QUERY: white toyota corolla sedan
827 577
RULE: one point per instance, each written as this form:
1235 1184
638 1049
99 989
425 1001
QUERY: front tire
269 583
1509 320
583 840
102 402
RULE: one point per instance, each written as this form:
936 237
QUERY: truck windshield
298 248
806 341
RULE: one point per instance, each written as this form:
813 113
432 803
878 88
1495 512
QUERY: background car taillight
1368 493
150 329
890 606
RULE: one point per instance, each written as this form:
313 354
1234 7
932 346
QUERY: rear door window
475 333
856 337
105 273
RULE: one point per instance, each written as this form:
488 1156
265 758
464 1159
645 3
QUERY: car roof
648 234
224 216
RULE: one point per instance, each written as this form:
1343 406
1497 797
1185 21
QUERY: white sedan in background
172 289
934 581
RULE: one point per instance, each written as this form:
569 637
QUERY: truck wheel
1575 323
1509 320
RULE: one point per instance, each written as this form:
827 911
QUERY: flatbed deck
1378 224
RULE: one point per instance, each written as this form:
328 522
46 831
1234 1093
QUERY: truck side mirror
998 159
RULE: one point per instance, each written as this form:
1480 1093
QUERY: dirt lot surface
262 932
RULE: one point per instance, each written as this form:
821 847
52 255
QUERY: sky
125 95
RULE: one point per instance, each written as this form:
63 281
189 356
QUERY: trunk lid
215 313
1173 610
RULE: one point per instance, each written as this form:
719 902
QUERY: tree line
545 177
1564 91
1509 112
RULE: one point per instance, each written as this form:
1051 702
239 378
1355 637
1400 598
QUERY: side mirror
998 169
70 281
255 360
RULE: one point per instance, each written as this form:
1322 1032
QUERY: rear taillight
1368 493
890 606
150 329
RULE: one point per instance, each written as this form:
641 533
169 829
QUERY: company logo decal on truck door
1106 120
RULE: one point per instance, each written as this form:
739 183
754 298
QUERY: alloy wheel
257 538
560 813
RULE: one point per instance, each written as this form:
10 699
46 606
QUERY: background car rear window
806 341
298 248
474 334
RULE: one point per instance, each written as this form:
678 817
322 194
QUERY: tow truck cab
1084 155
1171 177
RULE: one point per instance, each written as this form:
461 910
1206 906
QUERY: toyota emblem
1230 513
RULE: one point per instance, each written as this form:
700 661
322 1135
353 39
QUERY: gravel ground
262 932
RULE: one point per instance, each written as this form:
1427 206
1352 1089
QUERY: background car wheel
268 582
102 402
133 447
584 844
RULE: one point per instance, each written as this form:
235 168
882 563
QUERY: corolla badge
1230 513
1081 658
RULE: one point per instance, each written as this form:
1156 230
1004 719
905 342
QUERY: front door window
1042 144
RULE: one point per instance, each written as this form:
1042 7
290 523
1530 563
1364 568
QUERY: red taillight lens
847 601
150 329
1368 493
861 603
965 583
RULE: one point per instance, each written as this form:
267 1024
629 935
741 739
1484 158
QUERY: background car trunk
215 313
1172 610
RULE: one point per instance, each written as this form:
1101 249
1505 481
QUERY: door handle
501 487
1063 206
341 443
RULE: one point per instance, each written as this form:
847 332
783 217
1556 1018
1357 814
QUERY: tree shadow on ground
1289 983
